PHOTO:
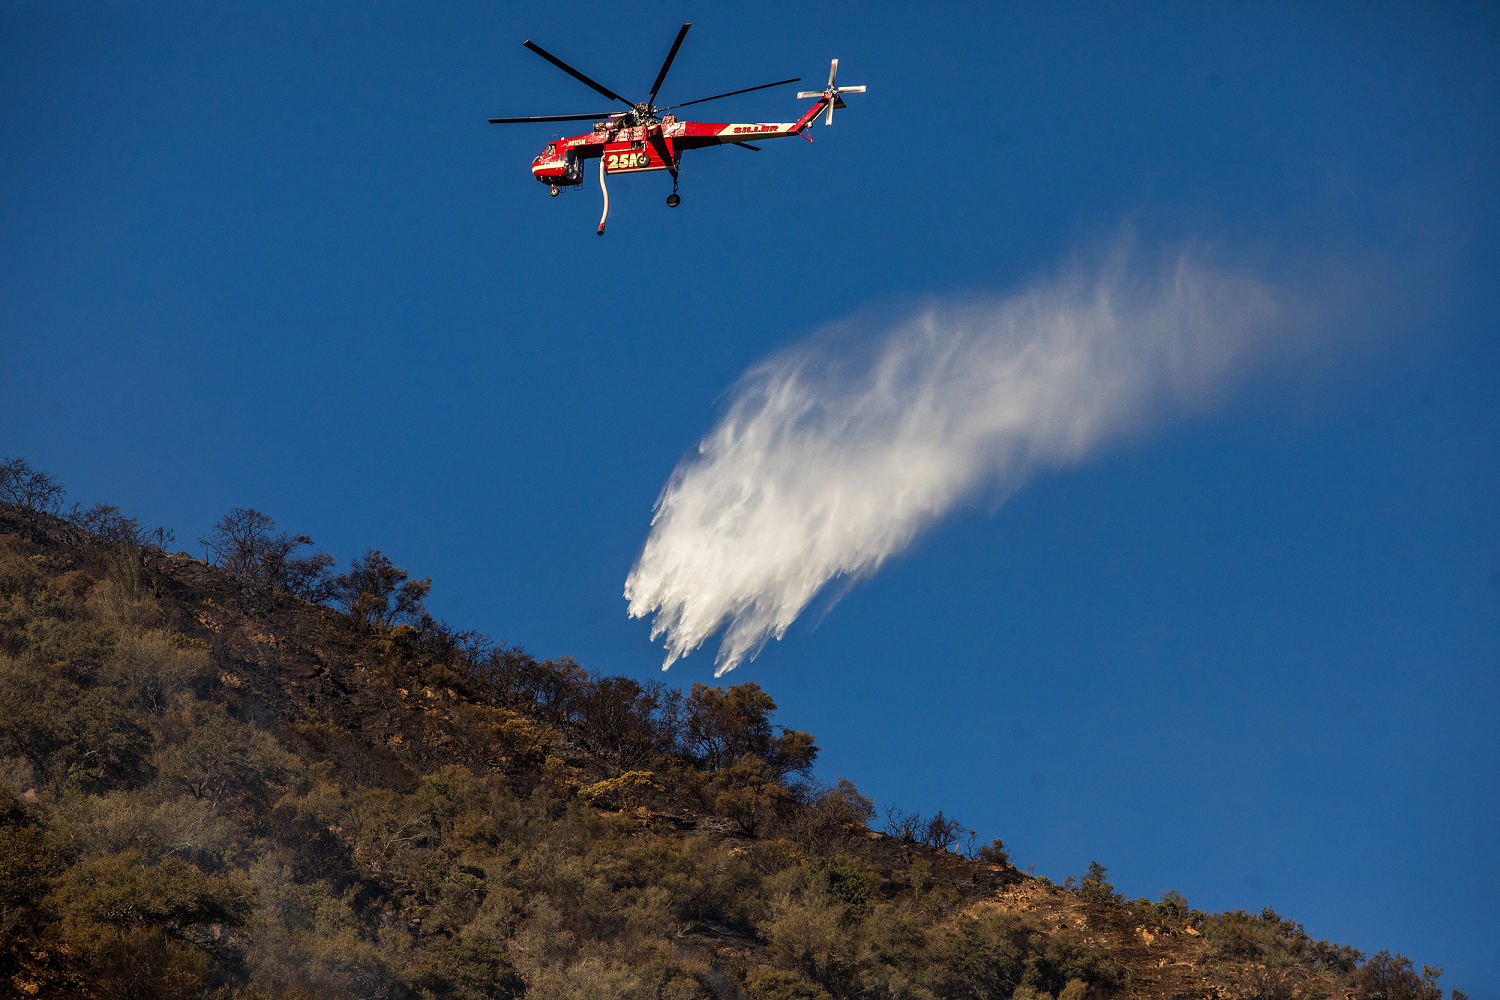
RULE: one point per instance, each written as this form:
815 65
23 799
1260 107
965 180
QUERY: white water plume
830 460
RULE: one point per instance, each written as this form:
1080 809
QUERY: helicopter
646 137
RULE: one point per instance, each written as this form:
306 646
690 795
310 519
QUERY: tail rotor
832 92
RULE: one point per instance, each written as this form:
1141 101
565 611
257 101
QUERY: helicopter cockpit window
551 148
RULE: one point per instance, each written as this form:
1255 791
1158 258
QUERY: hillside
212 785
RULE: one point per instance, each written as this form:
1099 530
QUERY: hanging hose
606 196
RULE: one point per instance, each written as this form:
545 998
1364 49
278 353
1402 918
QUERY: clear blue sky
271 255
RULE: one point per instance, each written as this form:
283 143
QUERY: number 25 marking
627 161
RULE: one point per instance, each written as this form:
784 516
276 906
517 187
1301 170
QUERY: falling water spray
834 455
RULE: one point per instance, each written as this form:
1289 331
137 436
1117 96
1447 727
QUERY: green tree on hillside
722 725
149 930
381 593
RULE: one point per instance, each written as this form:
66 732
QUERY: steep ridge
212 787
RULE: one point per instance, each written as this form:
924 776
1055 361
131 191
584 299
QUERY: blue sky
272 256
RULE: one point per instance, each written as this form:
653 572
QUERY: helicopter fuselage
642 148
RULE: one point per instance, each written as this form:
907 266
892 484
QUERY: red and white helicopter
646 138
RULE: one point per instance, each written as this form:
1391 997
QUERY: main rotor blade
667 63
550 118
732 93
533 46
